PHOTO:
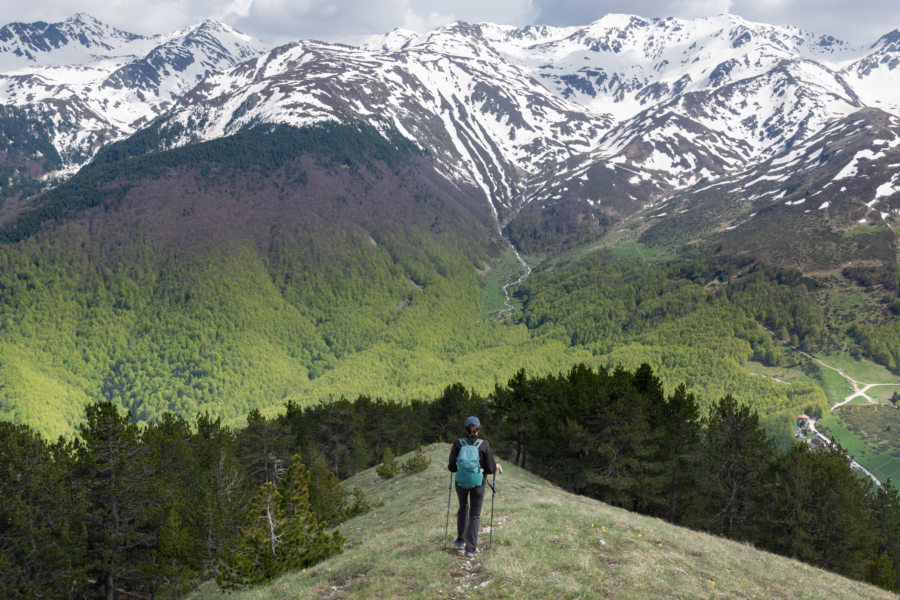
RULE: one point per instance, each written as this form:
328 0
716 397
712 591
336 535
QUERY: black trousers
468 516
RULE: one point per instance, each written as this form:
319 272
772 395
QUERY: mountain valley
376 187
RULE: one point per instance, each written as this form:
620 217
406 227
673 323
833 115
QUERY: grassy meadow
546 543
860 441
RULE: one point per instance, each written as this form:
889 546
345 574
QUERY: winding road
853 463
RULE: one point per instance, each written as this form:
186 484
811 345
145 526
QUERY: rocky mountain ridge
88 84
616 116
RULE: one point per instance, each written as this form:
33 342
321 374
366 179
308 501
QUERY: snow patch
887 189
850 169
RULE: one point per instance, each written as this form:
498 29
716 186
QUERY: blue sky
862 21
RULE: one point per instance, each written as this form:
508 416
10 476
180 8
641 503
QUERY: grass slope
547 543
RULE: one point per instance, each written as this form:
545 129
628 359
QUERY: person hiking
471 459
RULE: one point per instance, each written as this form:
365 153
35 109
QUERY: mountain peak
213 25
889 42
82 18
617 21
76 40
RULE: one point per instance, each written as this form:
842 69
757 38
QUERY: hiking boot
470 554
459 545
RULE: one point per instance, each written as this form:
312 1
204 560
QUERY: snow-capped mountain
876 75
618 115
90 84
481 117
526 113
77 40
797 207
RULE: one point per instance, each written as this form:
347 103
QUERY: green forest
155 510
229 329
284 264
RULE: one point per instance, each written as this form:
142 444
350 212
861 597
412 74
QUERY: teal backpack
468 475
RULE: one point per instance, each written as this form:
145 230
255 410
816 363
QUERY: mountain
199 226
611 117
77 40
374 190
233 273
79 85
618 114
831 200
481 118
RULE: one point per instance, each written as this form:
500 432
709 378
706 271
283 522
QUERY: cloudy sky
862 21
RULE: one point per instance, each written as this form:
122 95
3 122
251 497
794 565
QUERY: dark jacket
485 456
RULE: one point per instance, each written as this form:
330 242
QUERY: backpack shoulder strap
477 443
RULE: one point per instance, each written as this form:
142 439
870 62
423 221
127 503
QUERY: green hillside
304 264
546 543
205 280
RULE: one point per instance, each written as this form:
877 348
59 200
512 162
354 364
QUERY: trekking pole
493 493
447 524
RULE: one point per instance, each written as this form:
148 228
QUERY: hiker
471 459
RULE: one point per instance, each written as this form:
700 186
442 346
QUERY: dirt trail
858 392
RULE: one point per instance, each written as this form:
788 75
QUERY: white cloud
283 20
586 11
337 18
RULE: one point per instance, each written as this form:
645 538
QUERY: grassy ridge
547 543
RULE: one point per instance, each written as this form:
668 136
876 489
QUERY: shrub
388 467
416 463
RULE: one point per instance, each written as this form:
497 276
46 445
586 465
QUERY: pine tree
681 420
305 537
327 498
282 535
173 483
735 455
416 463
265 447
884 511
517 403
881 572
42 534
223 491
175 558
112 467
815 510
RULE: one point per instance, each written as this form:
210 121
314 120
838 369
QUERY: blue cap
472 420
